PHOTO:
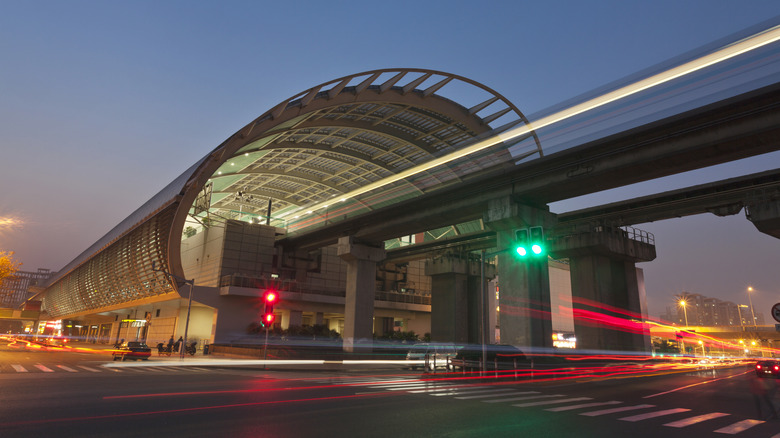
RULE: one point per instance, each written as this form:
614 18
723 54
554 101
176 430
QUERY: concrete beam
766 217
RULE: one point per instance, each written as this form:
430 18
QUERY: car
430 356
499 357
132 350
768 368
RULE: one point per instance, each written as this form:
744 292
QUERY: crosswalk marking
493 393
551 402
616 410
584 405
654 414
401 386
697 419
468 391
501 400
534 398
437 388
89 369
73 368
739 426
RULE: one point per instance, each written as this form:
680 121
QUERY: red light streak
182 410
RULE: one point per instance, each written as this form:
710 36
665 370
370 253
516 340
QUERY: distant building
14 289
701 310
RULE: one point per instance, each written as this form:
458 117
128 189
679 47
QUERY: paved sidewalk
199 359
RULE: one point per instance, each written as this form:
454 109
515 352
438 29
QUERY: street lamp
752 313
685 311
191 284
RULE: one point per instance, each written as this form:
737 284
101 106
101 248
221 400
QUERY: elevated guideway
736 128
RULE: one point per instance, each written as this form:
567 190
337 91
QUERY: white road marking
68 369
501 400
43 368
697 419
492 394
739 426
615 410
19 368
89 369
551 402
584 405
469 391
654 414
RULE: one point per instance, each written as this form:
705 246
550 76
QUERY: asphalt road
146 399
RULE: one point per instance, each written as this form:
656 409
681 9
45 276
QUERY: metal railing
628 232
240 280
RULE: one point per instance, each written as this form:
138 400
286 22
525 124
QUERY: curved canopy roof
326 143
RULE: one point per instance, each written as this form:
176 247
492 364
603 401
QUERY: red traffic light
268 319
271 297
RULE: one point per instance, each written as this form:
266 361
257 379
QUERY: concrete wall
201 256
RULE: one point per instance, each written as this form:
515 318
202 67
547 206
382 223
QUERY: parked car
430 356
768 368
499 357
132 350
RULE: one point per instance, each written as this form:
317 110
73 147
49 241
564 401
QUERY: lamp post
191 284
685 311
752 313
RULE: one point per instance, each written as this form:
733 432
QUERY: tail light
758 366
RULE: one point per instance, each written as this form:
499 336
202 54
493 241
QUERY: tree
8 266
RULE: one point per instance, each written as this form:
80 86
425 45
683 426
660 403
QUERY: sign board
776 312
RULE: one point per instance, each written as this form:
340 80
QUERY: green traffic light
521 251
536 248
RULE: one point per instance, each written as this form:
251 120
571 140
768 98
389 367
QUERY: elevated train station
230 221
383 201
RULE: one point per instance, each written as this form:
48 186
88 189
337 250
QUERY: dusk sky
102 104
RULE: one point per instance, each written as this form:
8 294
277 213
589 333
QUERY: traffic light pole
265 347
483 298
483 313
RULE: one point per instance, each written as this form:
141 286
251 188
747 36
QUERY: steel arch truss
344 134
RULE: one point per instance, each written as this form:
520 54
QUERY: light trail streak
245 391
696 384
184 410
745 45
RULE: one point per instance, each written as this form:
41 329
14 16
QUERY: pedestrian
177 344
170 344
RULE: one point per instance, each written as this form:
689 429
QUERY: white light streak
738 48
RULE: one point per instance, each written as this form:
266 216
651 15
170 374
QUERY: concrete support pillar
606 296
456 298
602 289
524 287
295 318
319 318
361 262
